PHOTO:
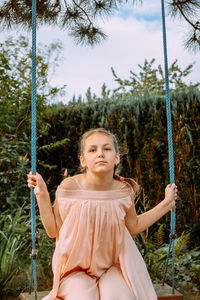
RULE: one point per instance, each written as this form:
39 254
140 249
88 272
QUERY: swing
163 291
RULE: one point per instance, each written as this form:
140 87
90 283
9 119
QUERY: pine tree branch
88 18
177 4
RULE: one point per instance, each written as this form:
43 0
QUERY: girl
93 220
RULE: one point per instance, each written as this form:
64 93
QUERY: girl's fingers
31 185
173 190
32 177
31 181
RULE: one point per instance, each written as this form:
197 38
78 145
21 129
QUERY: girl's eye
91 150
107 149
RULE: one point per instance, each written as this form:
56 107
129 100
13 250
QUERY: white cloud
130 41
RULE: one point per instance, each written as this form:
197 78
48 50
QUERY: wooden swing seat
163 293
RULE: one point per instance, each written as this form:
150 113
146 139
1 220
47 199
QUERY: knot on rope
172 236
33 254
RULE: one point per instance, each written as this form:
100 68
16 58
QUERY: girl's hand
37 182
171 194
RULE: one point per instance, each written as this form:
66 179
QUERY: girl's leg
112 286
78 286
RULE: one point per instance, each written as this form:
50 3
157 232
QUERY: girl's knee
113 286
78 285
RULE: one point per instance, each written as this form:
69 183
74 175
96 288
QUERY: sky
134 34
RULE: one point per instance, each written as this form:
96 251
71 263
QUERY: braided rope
170 147
33 141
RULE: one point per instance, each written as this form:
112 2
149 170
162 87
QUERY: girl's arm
136 224
49 216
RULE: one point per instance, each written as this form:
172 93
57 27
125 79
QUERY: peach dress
95 256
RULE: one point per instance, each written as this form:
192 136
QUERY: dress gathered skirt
95 256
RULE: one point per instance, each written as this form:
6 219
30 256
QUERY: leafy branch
53 146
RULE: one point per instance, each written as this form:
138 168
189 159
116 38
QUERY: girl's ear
117 159
82 161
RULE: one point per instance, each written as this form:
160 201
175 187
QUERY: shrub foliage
139 121
140 124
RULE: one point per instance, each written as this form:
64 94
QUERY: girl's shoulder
129 182
68 184
134 185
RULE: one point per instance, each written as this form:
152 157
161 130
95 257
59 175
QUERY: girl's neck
92 181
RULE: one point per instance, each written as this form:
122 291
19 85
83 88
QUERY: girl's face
99 155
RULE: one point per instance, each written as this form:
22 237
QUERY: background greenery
136 114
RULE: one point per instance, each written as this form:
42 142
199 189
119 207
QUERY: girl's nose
100 153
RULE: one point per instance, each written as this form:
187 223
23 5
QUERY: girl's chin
102 170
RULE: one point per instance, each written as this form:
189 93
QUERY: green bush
140 124
186 262
13 240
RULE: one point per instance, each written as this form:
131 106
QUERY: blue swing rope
33 153
170 147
